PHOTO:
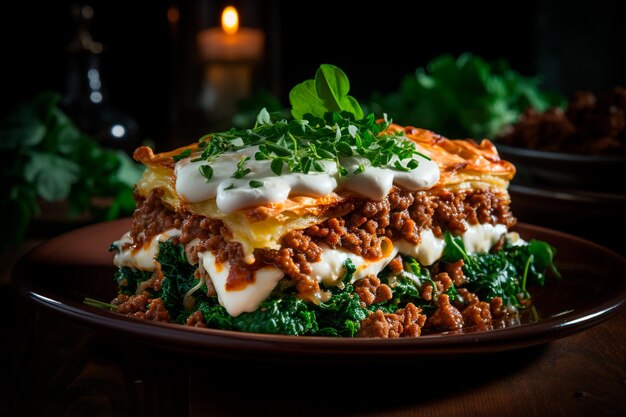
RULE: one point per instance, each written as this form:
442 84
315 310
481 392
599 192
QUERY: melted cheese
142 257
481 238
331 268
242 300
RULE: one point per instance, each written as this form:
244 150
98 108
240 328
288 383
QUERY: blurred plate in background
563 170
598 216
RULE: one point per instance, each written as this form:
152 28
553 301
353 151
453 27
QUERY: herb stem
99 304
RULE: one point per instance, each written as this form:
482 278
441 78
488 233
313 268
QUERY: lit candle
229 54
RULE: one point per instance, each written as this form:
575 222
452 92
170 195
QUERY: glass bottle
86 100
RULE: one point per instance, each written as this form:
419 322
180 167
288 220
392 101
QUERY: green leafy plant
464 97
46 158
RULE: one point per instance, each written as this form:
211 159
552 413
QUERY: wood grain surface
55 367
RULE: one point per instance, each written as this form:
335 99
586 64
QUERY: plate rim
557 156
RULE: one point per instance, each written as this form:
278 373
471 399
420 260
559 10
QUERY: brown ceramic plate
60 273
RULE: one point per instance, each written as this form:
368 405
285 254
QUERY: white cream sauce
232 194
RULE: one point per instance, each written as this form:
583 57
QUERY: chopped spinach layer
506 273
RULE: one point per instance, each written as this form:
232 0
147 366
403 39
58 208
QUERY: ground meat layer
356 224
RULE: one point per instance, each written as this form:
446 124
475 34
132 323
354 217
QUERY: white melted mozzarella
232 194
242 300
331 268
142 258
481 238
427 252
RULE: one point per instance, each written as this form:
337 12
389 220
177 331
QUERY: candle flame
230 20
173 14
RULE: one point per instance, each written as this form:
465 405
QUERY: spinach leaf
178 275
215 316
343 312
493 275
505 273
287 315
128 278
454 249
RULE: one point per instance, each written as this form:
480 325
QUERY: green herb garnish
241 171
327 92
206 171
255 184
329 125
184 154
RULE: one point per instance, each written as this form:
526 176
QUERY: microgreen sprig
302 145
332 128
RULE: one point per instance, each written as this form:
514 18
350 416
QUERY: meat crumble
359 226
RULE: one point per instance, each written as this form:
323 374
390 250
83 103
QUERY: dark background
151 70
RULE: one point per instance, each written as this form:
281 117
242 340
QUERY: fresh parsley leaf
184 154
206 171
328 92
263 117
241 171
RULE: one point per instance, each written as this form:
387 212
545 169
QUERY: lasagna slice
390 231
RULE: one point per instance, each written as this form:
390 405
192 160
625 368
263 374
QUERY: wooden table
55 367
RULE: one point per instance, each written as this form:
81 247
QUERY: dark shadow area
66 369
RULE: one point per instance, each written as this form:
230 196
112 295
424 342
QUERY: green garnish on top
328 124
327 92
